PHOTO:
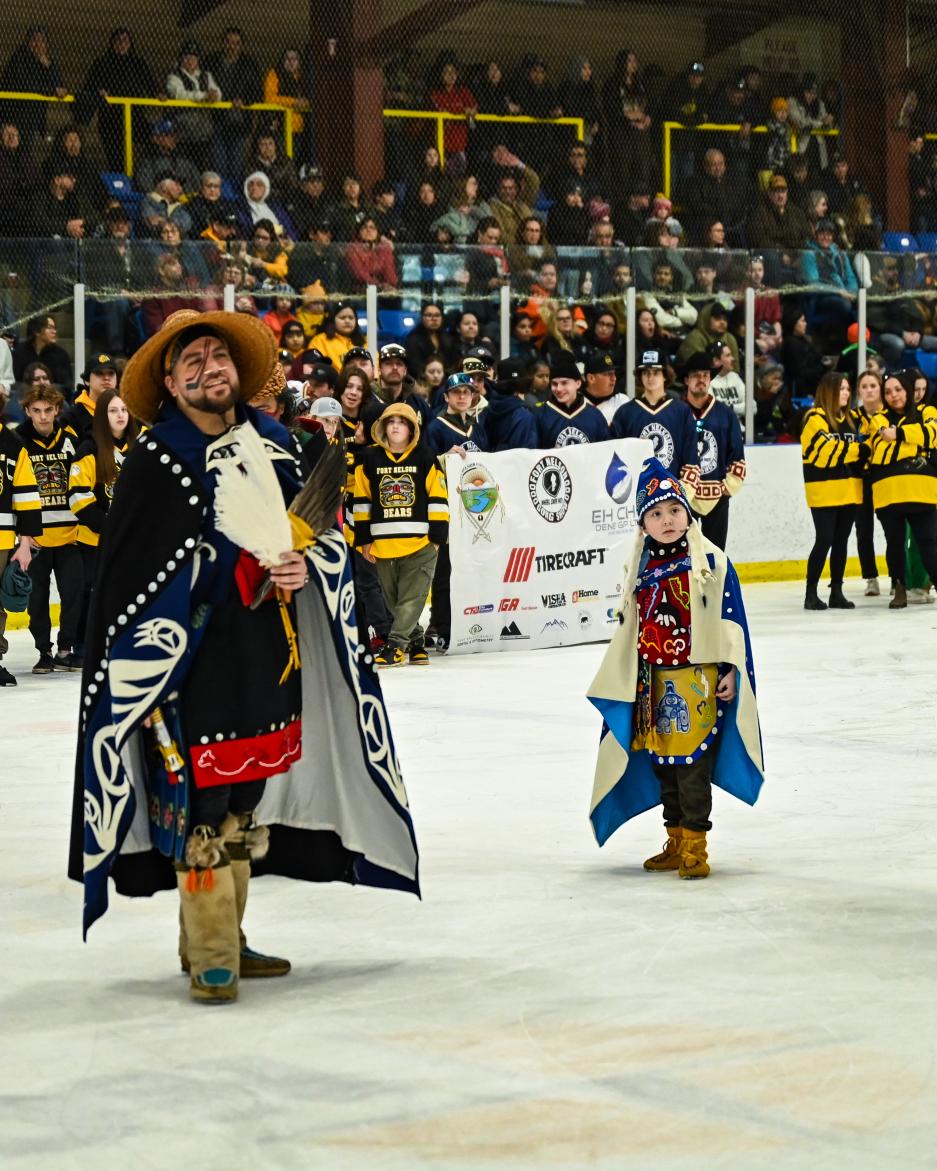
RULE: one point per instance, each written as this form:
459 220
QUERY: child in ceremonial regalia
676 688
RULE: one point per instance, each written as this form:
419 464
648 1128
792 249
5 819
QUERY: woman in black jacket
800 357
431 337
41 345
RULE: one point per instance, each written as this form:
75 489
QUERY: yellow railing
167 103
669 127
442 116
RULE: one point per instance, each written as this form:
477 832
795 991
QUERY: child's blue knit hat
655 485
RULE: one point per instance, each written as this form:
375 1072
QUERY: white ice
548 1004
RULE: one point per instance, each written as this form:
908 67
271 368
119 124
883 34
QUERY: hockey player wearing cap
394 384
566 417
100 374
721 451
601 379
456 429
676 687
667 422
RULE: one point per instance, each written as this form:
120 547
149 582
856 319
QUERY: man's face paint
204 377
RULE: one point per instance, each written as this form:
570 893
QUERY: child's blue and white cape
625 783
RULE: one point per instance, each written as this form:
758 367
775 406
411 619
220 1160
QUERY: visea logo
552 601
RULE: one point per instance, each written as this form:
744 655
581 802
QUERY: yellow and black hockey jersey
88 498
400 501
51 457
833 460
20 506
902 469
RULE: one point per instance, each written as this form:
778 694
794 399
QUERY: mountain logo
511 633
556 624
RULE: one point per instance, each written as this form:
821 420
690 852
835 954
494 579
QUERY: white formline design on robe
328 557
135 687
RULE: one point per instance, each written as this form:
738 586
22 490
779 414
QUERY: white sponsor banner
538 542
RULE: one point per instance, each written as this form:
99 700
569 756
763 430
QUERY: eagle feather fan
249 506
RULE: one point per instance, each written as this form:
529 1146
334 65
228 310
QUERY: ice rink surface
548 1004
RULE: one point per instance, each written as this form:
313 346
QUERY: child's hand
726 689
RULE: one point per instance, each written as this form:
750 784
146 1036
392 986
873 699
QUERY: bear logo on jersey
662 440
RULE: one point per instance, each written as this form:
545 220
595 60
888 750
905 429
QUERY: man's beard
214 406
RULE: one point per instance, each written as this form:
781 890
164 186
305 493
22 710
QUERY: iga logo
550 488
584 595
478 610
520 563
556 624
508 604
552 601
512 633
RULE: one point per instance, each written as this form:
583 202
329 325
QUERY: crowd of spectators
569 224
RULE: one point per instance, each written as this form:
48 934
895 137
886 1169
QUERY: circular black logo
550 488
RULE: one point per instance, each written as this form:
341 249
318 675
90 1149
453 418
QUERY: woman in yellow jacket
833 460
904 478
285 86
340 334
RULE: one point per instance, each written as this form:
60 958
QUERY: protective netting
563 150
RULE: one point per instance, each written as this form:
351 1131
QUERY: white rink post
631 298
370 308
78 299
861 319
228 298
749 366
504 295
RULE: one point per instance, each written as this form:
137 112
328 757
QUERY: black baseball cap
600 362
323 374
392 350
650 360
511 370
357 352
482 352
99 364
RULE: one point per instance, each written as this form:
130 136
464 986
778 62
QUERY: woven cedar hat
251 343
